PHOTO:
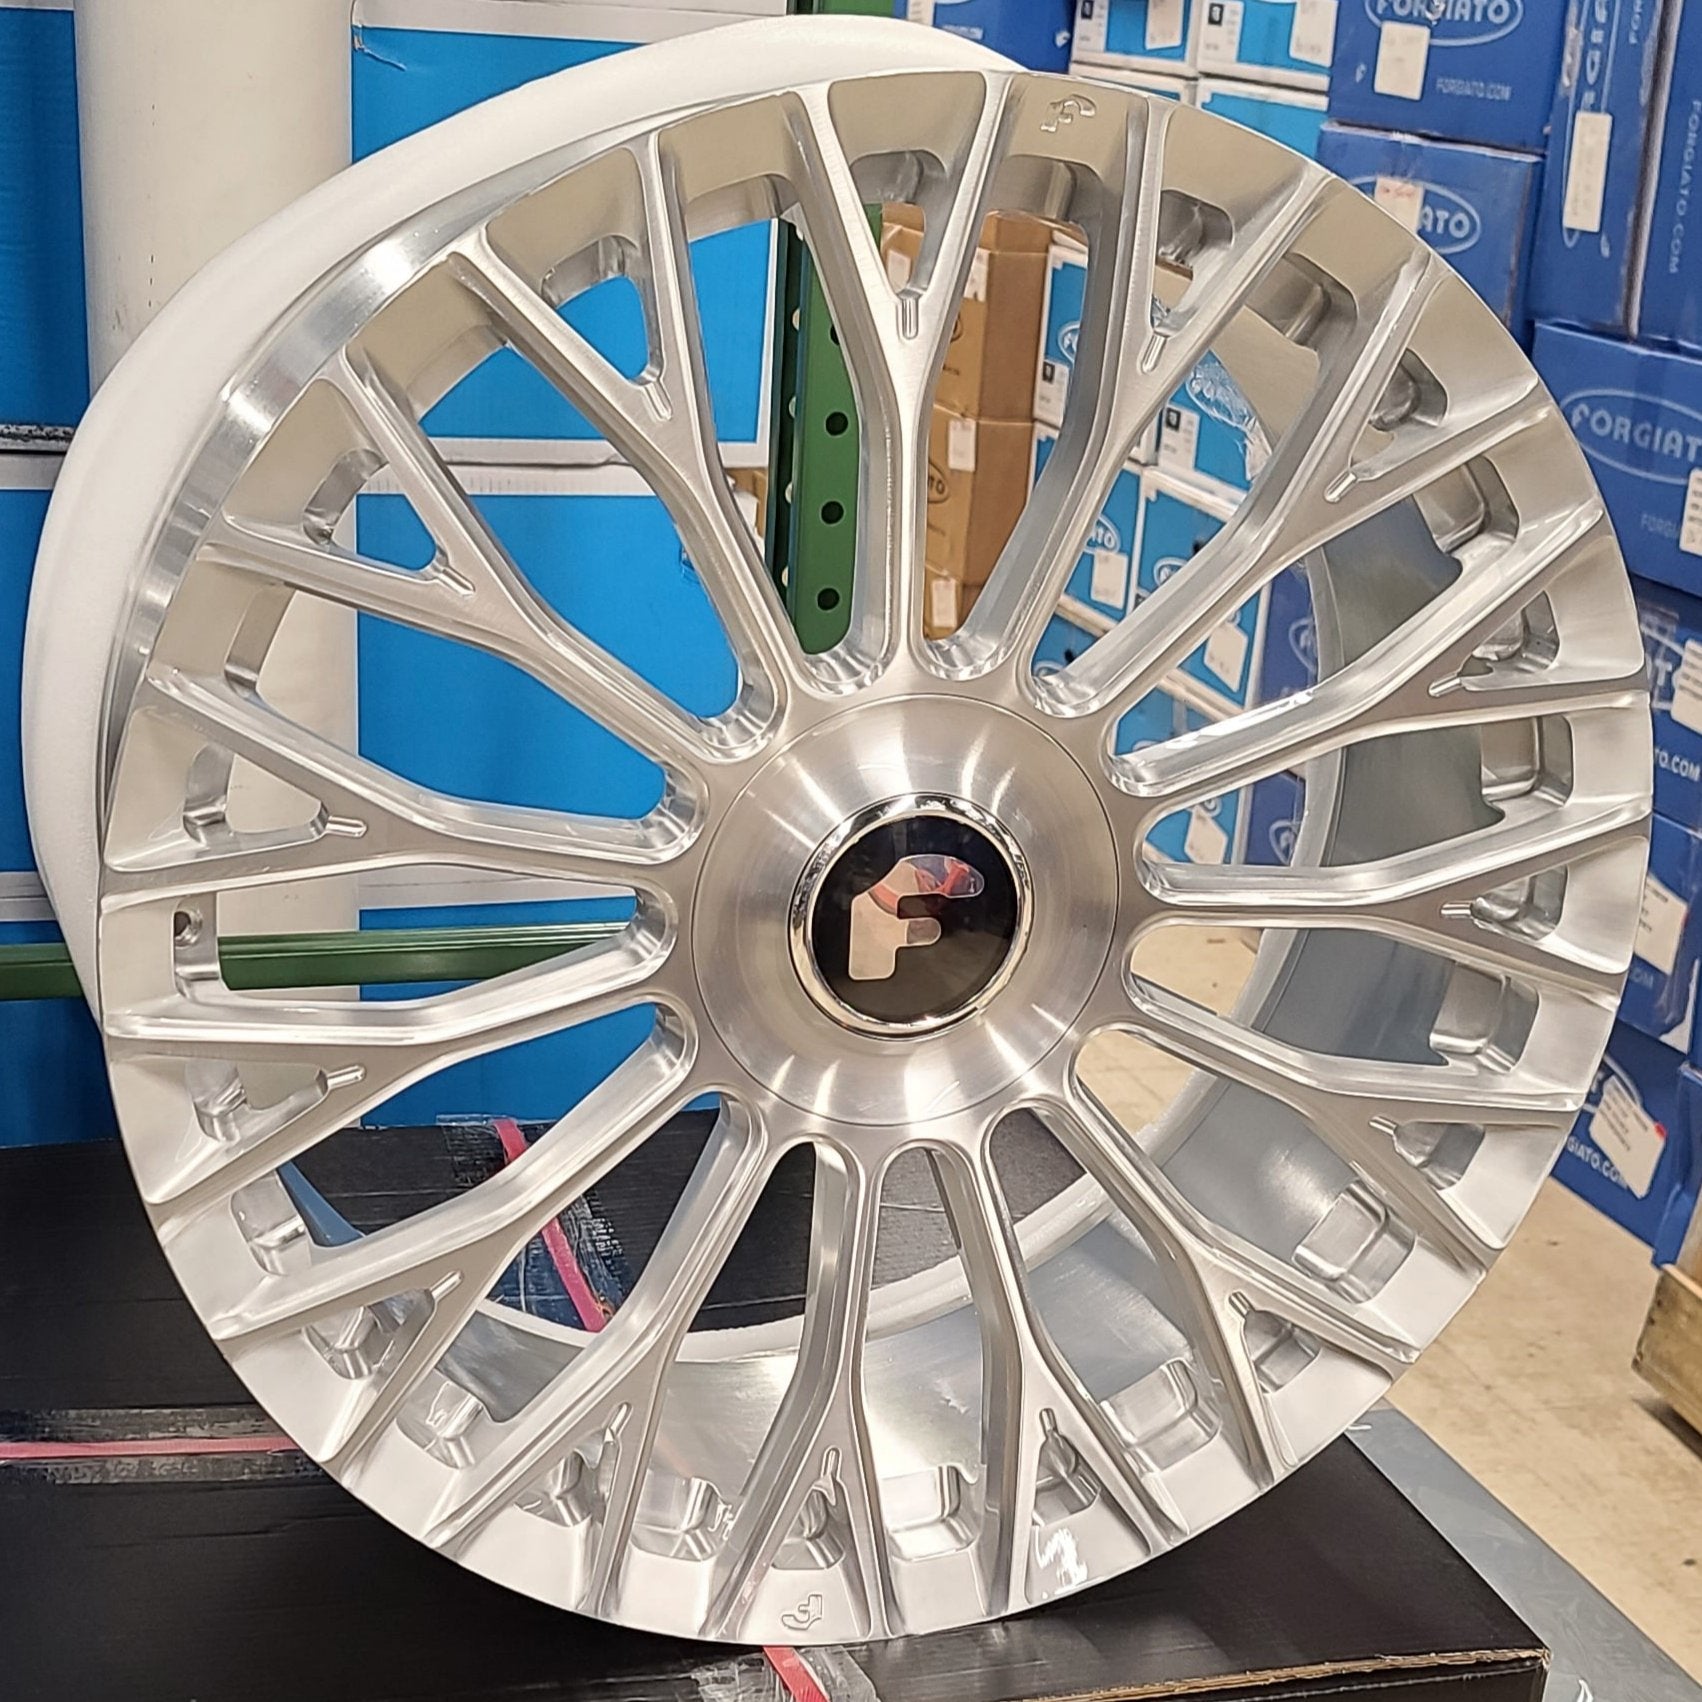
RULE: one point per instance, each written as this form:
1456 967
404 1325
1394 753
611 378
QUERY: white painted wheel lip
146 423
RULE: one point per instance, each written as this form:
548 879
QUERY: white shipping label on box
1687 688
1660 925
898 268
1163 25
1586 171
919 11
1312 40
1206 842
1108 582
1403 56
962 443
1402 200
1051 391
1179 440
1220 34
1091 26
1226 654
942 602
976 288
1690 533
1629 1136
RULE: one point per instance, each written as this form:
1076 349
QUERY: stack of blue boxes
55 1080
1550 151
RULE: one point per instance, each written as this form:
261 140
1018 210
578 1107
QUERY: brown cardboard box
946 604
995 345
751 484
977 486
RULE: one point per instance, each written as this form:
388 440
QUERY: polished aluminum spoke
662 423
1433 898
1215 1279
1416 679
455 1252
614 1386
363 1053
1030 1395
1354 1105
818 1444
367 818
1134 364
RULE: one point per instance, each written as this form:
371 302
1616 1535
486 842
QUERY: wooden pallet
1669 1357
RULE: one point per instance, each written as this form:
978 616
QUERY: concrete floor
1531 1388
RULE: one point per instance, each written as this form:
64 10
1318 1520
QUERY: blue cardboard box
1671 306
1638 414
1208 435
1293 117
1274 806
1290 660
1104 578
1672 639
1176 524
1477 207
44 360
1591 235
1149 35
407 76
1660 995
1066 287
1462 70
1278 41
1035 33
1181 88
50 1052
1158 716
1637 1145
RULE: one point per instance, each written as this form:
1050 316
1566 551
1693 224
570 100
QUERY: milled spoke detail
368 818
817 1449
1216 1280
1133 367
1419 677
612 1391
1433 898
456 1252
473 590
361 1053
1311 492
1031 1399
898 341
1356 1105
662 423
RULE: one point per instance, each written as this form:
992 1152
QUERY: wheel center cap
911 915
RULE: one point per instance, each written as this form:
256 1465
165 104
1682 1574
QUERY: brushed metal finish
1221 1292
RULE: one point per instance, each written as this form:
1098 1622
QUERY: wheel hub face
890 905
980 799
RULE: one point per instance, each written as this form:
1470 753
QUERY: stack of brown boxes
983 429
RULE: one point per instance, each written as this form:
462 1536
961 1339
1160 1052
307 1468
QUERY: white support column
200 119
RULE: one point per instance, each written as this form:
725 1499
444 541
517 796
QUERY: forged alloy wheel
1081 1374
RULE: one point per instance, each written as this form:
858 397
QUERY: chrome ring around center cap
911 915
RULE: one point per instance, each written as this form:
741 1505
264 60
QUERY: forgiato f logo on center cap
880 926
